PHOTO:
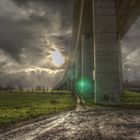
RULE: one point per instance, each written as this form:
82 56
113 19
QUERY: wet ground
84 124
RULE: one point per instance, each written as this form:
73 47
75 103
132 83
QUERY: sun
57 58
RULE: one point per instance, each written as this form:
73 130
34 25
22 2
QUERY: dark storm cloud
62 5
18 34
131 52
13 37
29 31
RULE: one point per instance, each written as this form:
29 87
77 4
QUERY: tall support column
107 71
78 62
87 55
85 82
87 66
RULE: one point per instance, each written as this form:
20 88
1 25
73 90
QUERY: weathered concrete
78 62
100 49
82 42
107 74
87 64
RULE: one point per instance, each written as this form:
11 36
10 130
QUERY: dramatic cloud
131 52
30 32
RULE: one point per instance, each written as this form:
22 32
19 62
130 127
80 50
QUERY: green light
84 86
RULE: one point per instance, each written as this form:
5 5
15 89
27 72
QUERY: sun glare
57 58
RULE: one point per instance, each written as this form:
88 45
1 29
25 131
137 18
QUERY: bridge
95 71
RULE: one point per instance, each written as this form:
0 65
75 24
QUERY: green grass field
130 99
21 106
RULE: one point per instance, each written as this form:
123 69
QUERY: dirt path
32 130
97 125
87 124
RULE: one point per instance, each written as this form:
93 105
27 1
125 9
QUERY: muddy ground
84 124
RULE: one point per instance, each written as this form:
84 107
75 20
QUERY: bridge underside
95 52
127 13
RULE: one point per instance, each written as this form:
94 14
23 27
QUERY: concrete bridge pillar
85 55
78 61
106 46
87 66
95 37
84 84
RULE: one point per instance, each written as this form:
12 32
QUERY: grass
19 106
129 100
16 107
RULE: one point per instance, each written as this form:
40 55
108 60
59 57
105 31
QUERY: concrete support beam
87 56
99 48
78 62
107 70
87 50
87 65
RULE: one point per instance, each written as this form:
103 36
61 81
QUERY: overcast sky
130 45
32 31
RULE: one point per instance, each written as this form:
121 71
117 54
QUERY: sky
35 39
130 45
